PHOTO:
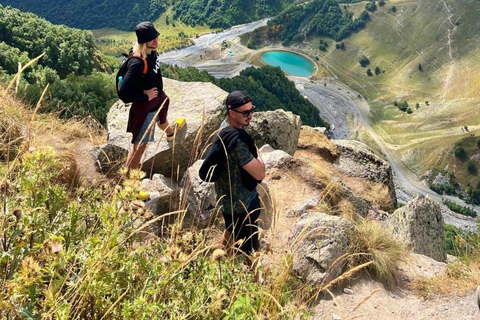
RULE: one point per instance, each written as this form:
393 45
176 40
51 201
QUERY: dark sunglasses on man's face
245 113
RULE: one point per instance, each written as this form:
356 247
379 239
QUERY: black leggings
244 226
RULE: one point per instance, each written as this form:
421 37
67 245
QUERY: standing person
239 169
144 88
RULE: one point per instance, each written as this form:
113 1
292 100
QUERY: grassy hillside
442 38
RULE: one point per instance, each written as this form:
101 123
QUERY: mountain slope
425 51
92 14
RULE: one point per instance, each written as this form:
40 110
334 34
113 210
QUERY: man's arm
256 167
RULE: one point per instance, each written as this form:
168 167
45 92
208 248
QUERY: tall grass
370 242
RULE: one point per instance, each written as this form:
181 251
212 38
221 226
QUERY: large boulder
198 197
280 129
357 160
200 103
319 240
419 224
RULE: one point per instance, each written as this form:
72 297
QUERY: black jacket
134 82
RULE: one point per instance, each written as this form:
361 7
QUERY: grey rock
191 100
320 239
441 179
280 129
274 159
477 293
321 130
357 160
419 225
198 196
303 207
348 291
267 213
109 158
360 205
163 194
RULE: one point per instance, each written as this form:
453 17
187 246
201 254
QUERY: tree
402 105
471 167
377 70
460 153
393 9
369 72
417 106
364 61
342 46
420 67
371 6
381 3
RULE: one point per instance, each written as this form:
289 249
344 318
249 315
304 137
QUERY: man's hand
151 93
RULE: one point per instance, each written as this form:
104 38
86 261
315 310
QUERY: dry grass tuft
379 195
67 170
11 135
370 242
459 277
318 142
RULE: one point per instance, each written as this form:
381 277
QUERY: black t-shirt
135 82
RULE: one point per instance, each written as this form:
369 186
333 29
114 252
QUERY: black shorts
243 225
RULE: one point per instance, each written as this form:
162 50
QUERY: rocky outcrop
357 160
202 106
318 142
419 224
274 159
303 207
280 129
319 240
199 197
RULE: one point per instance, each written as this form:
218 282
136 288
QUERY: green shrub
459 208
364 61
471 167
460 153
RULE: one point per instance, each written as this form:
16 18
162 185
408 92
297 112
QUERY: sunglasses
245 113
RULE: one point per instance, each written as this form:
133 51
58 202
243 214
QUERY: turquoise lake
289 62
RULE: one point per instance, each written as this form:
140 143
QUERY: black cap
145 32
237 99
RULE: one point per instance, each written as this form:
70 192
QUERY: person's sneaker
143 195
176 126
